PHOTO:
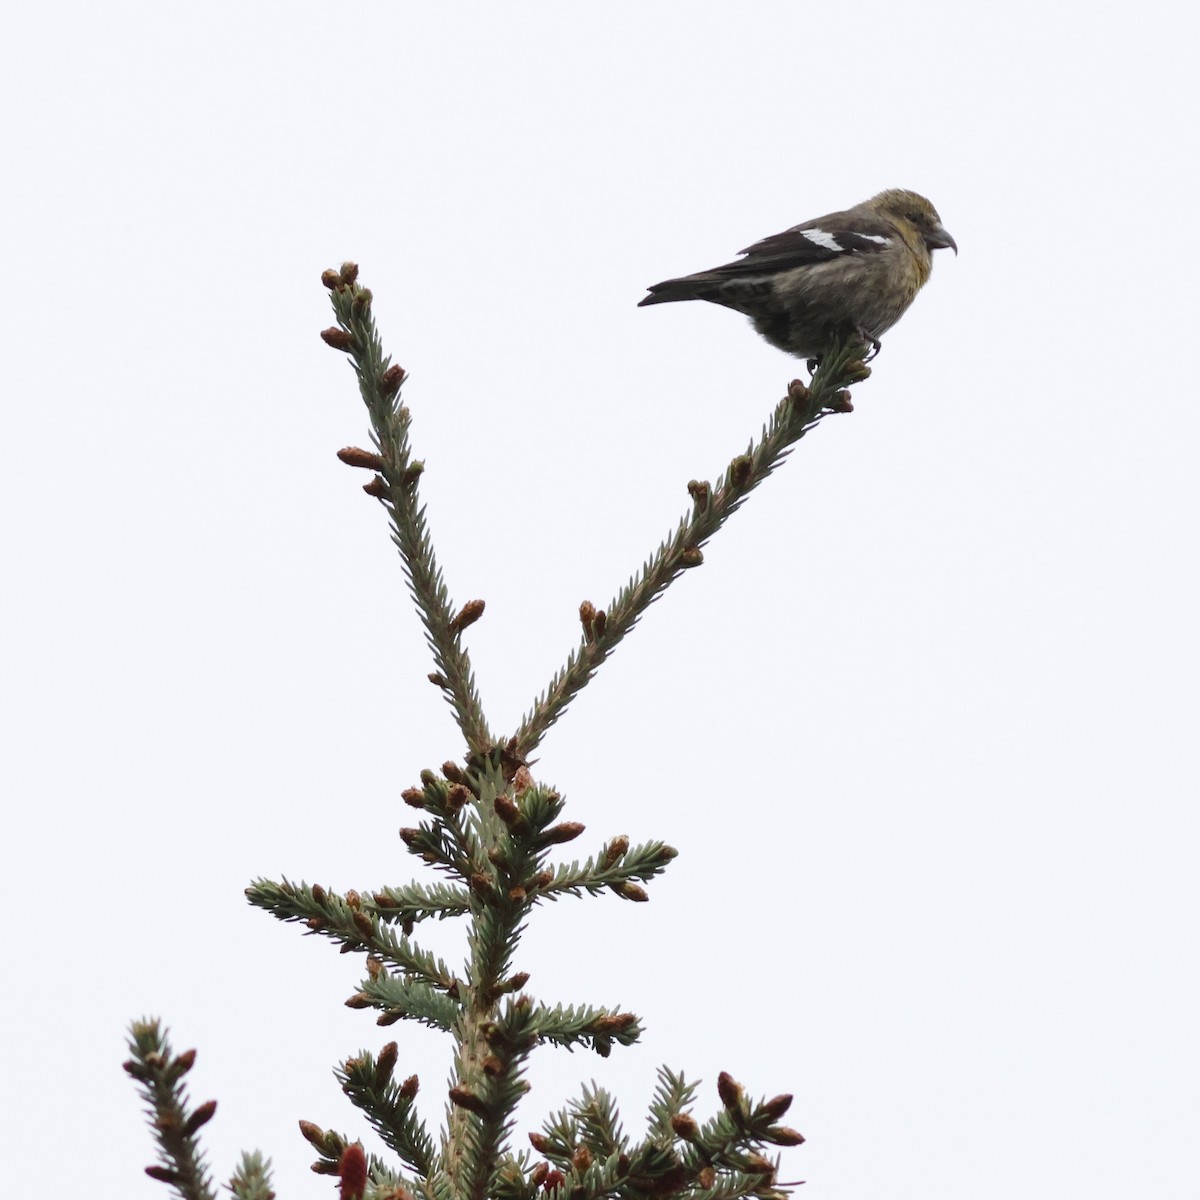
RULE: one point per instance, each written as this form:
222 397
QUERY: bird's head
911 209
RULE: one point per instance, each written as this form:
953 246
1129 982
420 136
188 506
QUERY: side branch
396 487
795 415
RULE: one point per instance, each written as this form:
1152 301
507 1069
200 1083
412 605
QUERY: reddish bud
729 1090
313 1134
538 1175
453 772
353 1172
458 795
339 339
202 1115
540 1143
390 381
568 831
409 1088
385 1064
739 470
364 924
776 1107
782 1135
554 1179
465 1098
319 894
162 1174
184 1062
355 456
614 851
685 1126
581 1159
601 622
506 810
467 615
377 488
413 797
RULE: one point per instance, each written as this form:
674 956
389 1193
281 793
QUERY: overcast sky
924 725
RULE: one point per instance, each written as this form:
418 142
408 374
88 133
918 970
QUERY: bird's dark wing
822 240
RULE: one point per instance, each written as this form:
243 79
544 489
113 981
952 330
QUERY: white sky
923 727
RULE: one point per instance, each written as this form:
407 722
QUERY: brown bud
630 891
319 894
729 1090
840 403
538 1175
614 851
554 1179
313 1134
184 1062
739 470
411 474
339 339
353 1172
759 1165
385 1064
317 923
162 1174
587 615
452 990
453 772
506 810
331 279
353 899
856 372
540 1143
390 1017
360 1000
517 895
601 623
201 1116
568 831
685 1126
492 1066
436 678
481 885
391 379
467 615
377 488
522 780
458 795
707 1177
776 1106
542 879
413 797
517 982
324 1168
409 1088
465 1098
349 272
356 456
364 924
375 967
798 393
782 1135
409 836
614 1023
700 491
361 302
581 1159
693 556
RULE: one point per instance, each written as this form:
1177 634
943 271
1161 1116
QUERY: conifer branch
388 1106
159 1073
252 1178
408 903
346 920
799 412
396 485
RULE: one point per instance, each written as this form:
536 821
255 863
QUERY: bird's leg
873 342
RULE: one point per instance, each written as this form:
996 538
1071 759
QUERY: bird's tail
702 286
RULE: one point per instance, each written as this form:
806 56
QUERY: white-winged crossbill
851 273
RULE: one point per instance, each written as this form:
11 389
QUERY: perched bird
852 272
